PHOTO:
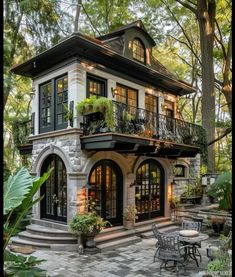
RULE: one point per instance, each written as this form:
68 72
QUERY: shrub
221 189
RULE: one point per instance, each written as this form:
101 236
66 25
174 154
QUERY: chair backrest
191 225
168 242
155 230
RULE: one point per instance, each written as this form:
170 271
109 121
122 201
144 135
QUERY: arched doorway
106 181
54 202
149 190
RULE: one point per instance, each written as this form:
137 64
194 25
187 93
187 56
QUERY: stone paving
131 261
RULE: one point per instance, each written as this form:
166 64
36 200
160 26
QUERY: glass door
149 190
54 190
106 190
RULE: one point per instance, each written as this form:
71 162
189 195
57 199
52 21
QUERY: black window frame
127 88
53 106
144 50
94 78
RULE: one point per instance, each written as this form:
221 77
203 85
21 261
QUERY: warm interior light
114 92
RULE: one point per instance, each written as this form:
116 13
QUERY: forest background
193 40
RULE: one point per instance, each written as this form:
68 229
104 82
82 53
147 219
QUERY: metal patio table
192 242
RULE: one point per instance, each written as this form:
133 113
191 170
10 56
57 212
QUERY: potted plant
217 223
101 105
87 226
129 216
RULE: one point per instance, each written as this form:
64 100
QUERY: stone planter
128 224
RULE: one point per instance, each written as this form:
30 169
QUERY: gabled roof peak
136 24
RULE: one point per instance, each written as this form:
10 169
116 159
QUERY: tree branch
226 132
187 6
93 26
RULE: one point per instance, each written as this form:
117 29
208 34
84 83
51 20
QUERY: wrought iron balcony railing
141 122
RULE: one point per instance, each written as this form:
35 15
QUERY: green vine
94 104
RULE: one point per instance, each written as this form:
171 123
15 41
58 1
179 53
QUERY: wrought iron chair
156 232
170 249
193 225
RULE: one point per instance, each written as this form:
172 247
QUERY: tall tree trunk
206 17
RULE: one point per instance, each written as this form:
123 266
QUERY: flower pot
218 227
128 224
90 242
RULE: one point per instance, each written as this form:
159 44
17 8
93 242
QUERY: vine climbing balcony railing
22 129
135 121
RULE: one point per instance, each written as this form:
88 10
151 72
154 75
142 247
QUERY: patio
132 261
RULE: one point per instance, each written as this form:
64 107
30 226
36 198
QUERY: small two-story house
131 163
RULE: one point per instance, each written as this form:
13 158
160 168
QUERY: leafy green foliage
87 223
221 189
19 266
15 189
100 104
25 200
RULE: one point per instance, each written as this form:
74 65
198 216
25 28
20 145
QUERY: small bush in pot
87 226
129 216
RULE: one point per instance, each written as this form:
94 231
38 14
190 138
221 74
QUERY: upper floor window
138 50
53 104
96 86
128 96
151 103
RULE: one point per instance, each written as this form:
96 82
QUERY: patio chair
193 225
156 232
218 245
170 249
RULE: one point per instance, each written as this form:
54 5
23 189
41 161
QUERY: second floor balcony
141 131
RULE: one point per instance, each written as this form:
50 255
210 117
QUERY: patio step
168 229
147 228
113 244
48 232
39 245
47 239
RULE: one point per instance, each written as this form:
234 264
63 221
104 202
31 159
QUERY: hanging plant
101 104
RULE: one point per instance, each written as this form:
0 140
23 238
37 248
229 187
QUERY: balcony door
150 190
106 182
54 190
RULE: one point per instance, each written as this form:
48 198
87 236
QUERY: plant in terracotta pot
217 223
129 216
86 226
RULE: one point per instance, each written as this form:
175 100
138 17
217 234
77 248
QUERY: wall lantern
134 184
173 183
204 181
164 107
114 92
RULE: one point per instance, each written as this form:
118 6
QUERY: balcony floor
137 145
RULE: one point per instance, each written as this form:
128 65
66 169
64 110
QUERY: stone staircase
41 234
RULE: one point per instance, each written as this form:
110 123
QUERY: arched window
149 190
138 50
106 190
54 202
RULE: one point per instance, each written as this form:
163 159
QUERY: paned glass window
96 86
53 104
138 50
61 100
151 103
128 96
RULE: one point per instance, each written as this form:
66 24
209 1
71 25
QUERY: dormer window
138 50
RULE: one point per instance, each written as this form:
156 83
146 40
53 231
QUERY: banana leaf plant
19 191
19 194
